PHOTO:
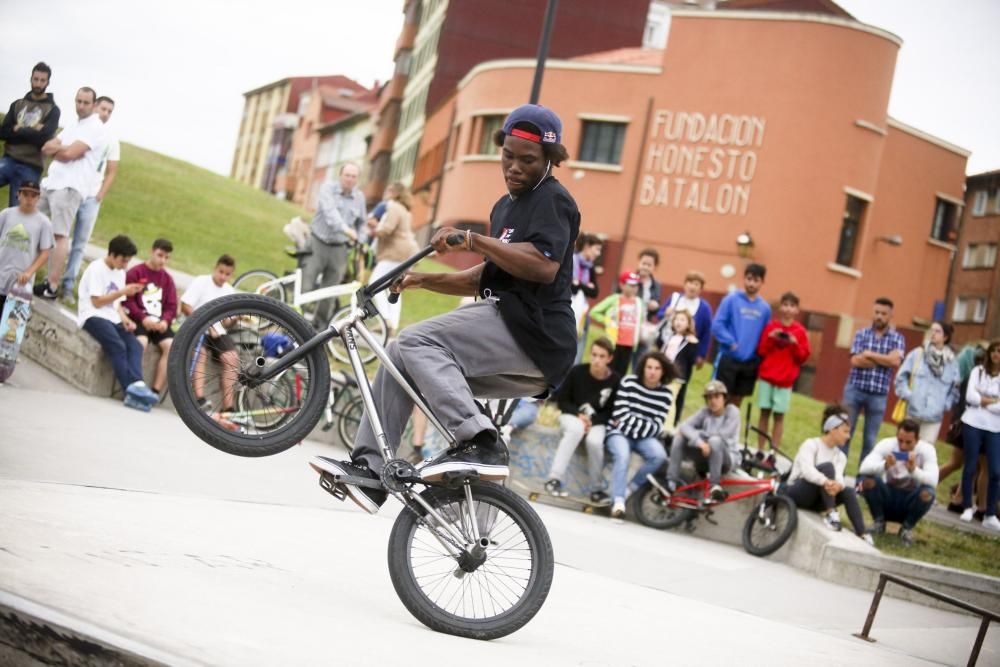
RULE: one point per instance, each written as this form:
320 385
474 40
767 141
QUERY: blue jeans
652 453
524 414
13 173
873 405
976 441
83 227
888 503
122 348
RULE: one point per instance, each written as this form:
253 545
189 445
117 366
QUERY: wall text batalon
702 162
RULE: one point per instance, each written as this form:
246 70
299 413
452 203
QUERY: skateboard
13 322
540 495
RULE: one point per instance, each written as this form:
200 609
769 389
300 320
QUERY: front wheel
487 601
769 525
209 370
655 510
375 324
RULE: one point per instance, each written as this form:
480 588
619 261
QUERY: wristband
468 238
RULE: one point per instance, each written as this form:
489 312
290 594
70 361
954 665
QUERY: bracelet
468 238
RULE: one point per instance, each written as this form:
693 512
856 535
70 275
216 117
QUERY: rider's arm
461 283
521 260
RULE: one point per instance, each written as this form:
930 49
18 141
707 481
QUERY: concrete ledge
53 340
839 557
31 634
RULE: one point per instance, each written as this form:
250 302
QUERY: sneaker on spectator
69 300
717 494
906 536
618 509
967 515
991 522
600 498
141 391
869 540
555 488
832 520
43 290
878 527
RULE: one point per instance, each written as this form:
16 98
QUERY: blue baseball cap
545 120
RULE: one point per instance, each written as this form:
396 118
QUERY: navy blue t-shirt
539 315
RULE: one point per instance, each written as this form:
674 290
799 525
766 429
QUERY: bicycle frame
697 502
300 298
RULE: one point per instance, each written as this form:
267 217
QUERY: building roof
337 98
991 179
626 56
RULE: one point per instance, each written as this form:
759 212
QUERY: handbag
899 411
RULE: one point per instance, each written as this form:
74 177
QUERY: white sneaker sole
434 472
353 492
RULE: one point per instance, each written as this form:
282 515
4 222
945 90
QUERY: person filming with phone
898 478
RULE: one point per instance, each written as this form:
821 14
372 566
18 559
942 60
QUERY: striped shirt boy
639 412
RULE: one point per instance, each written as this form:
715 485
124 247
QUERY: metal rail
884 577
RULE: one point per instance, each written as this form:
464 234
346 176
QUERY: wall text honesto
702 162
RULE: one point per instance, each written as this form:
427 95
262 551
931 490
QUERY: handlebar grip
393 297
455 239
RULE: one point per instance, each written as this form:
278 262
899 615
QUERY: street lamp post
543 50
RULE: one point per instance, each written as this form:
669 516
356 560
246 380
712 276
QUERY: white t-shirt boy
100 279
202 290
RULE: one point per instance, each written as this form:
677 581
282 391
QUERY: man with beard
29 123
518 339
876 353
75 155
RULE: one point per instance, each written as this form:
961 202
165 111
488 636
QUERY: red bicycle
770 524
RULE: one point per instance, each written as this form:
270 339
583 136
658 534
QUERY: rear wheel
655 510
769 525
235 415
485 601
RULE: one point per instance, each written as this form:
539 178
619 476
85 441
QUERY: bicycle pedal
459 477
327 483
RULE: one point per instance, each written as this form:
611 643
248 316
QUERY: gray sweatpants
451 359
719 460
331 261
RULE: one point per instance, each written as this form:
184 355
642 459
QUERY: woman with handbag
927 383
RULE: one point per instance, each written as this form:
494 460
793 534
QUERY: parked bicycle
770 524
289 289
466 557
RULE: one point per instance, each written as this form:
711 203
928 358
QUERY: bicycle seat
294 252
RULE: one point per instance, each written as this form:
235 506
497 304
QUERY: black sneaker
555 488
370 500
43 290
204 404
906 536
600 498
717 494
490 461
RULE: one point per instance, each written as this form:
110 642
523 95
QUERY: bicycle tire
653 510
491 500
377 325
210 427
760 538
249 281
349 420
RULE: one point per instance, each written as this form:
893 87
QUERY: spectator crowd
627 397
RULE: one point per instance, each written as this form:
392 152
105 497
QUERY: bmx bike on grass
466 557
769 525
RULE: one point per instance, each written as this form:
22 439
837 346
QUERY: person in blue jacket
737 328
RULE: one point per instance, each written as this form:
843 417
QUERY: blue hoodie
740 321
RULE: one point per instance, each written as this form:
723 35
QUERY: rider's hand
440 244
408 281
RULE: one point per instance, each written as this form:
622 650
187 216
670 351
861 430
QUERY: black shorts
155 337
218 346
738 376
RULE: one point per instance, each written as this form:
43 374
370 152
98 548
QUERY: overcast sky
178 69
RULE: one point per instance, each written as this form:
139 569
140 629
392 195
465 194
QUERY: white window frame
988 259
960 312
979 199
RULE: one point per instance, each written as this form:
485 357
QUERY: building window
854 212
488 126
969 309
602 142
980 256
979 198
944 228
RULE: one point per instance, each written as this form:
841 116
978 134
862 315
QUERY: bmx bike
768 526
466 557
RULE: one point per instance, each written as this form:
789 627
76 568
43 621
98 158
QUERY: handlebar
391 277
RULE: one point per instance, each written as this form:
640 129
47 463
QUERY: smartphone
901 456
784 335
